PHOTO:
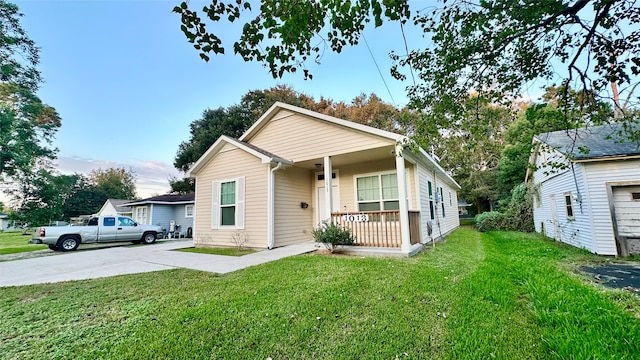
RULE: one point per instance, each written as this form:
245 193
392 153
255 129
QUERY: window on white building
568 202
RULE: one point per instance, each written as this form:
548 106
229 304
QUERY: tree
41 197
27 125
493 47
84 198
562 109
114 183
19 55
205 131
182 186
470 152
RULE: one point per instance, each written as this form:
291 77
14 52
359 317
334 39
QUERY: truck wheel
68 243
149 238
53 247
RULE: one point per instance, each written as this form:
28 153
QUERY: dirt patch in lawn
619 276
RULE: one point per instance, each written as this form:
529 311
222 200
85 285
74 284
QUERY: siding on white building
598 174
591 228
440 225
576 230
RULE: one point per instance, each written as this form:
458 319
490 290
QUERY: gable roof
275 108
166 199
592 143
118 205
265 156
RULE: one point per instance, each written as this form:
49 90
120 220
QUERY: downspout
272 207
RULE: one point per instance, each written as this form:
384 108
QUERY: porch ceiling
386 152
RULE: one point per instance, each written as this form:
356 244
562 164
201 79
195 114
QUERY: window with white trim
431 209
441 198
568 203
377 192
228 204
188 210
141 215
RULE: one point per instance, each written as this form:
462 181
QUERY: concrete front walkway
91 264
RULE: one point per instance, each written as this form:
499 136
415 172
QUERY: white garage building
588 189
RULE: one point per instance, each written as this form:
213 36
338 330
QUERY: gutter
272 207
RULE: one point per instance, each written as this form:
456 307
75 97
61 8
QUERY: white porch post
328 171
404 203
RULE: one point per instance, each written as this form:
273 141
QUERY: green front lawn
228 251
477 296
12 242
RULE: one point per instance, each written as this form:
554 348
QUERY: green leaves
285 34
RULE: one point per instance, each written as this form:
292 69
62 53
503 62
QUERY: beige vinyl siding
300 138
347 183
232 162
293 224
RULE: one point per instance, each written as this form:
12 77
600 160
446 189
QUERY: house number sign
355 218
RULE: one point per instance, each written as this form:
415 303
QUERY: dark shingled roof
117 204
593 142
166 198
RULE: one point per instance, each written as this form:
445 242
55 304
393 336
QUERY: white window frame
441 198
239 204
568 206
430 191
380 200
186 211
142 220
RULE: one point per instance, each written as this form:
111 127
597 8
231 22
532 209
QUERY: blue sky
127 84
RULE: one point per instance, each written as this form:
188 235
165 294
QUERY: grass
467 222
477 296
13 242
230 251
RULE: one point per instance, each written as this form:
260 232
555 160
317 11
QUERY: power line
379 72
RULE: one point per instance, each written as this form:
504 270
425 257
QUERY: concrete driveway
120 260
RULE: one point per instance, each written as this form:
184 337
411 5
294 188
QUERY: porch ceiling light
318 166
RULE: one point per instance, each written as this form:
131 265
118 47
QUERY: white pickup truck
102 229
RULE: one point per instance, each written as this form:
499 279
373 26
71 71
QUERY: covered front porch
372 193
378 228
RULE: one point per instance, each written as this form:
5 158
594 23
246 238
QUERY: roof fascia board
607 158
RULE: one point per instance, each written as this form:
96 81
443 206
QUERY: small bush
332 235
491 220
517 214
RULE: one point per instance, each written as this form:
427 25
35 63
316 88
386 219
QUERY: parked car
102 229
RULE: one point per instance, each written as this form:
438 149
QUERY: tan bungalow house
272 187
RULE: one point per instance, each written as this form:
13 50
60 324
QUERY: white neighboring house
6 224
115 207
592 200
